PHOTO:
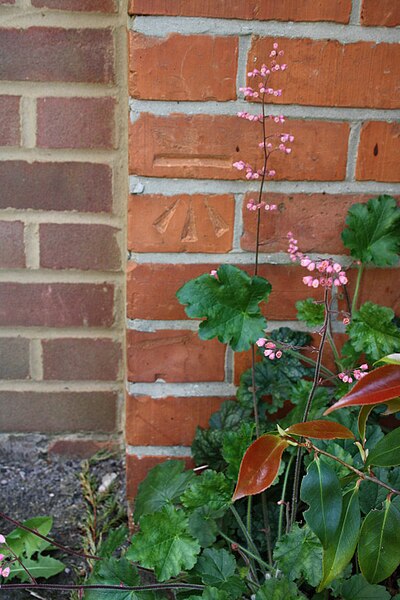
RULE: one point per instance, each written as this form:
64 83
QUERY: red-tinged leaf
377 387
259 466
363 418
392 407
321 430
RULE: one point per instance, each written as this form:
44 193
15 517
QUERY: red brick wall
186 209
63 109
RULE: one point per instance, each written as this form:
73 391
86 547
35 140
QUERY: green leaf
390 359
211 593
229 304
379 545
114 571
113 541
209 489
373 231
217 569
387 452
163 485
279 589
341 549
42 567
372 495
373 331
234 445
299 554
164 543
202 525
321 490
23 542
309 311
357 588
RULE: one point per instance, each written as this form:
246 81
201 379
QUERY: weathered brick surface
384 12
56 412
75 122
9 121
174 356
205 146
55 186
195 67
167 421
7 2
137 468
286 10
55 54
328 73
102 6
14 358
378 285
184 223
79 246
378 153
12 250
81 359
56 304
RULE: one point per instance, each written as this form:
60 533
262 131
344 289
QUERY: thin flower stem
19 561
245 550
243 529
248 516
357 289
116 588
334 349
283 503
310 361
254 389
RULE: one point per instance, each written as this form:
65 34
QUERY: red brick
79 246
137 468
196 67
14 358
85 187
205 146
167 421
378 152
9 121
328 73
56 54
12 249
81 359
174 356
103 6
384 12
75 122
79 448
285 10
181 223
56 412
378 285
56 304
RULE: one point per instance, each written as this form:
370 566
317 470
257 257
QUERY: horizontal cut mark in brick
185 223
196 67
102 6
379 151
75 246
12 249
85 187
328 73
285 10
75 123
9 121
137 468
384 12
52 412
56 304
55 54
14 358
174 356
204 146
167 421
81 359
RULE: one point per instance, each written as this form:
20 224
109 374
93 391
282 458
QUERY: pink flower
2 539
214 273
261 342
5 572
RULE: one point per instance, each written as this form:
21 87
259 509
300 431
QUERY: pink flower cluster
357 374
326 271
4 571
251 173
254 205
270 348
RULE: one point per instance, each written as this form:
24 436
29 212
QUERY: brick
12 249
152 289
9 121
75 122
56 412
79 448
56 54
286 10
184 223
174 356
328 73
137 468
167 421
205 146
377 285
56 304
7 2
14 358
81 359
384 12
56 186
79 246
102 6
378 152
195 67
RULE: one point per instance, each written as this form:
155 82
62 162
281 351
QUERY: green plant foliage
299 554
23 542
387 452
279 589
373 331
217 568
310 312
229 304
210 487
43 566
373 231
211 593
113 541
164 543
114 572
234 445
299 395
357 588
202 525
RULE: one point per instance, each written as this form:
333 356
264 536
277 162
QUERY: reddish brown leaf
322 430
260 465
377 387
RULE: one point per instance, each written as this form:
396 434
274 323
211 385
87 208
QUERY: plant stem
334 349
310 361
243 529
253 390
357 289
248 517
116 588
282 506
245 550
21 564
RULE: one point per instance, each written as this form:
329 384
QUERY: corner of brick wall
186 210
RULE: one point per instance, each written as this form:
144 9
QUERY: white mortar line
355 12
49 276
181 390
28 122
244 47
32 333
238 223
60 386
40 89
32 249
143 451
36 360
353 144
58 155
157 325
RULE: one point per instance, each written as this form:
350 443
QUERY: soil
33 483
